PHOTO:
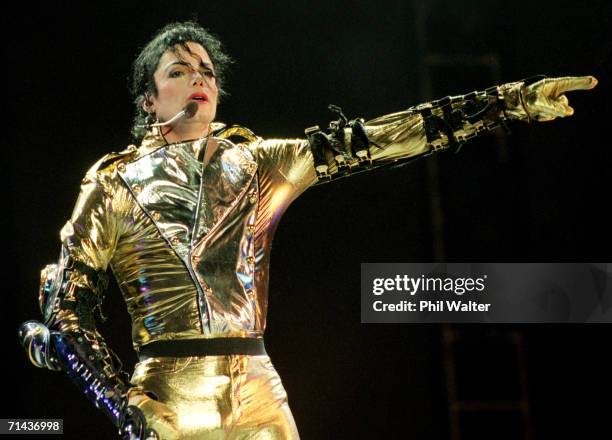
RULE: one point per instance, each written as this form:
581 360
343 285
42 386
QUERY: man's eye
176 74
210 74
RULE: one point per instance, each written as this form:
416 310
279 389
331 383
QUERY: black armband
345 142
56 285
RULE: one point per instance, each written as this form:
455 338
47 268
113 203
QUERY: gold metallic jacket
189 243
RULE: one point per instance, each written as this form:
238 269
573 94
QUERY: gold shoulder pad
112 160
235 133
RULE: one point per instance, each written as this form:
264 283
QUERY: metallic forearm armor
347 147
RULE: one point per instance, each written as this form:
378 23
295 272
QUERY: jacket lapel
226 179
165 183
184 199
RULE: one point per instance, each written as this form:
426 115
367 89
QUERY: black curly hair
167 38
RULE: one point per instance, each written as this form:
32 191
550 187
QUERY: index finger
569 83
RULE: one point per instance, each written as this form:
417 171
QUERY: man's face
183 77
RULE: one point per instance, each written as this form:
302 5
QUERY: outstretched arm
347 147
287 167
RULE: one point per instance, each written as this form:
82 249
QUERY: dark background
544 196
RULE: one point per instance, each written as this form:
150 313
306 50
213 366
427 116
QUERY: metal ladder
461 407
508 408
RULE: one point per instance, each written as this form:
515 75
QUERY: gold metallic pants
220 397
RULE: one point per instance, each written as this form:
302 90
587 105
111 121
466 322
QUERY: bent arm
71 294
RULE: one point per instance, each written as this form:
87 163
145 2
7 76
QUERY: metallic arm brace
68 340
347 147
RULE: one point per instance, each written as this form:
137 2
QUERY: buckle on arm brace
447 120
99 278
344 143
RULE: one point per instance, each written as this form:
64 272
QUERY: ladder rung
490 406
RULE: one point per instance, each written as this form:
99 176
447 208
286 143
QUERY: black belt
203 347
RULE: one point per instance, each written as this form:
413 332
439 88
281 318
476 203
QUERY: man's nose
197 78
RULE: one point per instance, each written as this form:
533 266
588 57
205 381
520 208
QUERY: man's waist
203 347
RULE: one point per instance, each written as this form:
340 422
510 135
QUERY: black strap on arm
345 142
98 278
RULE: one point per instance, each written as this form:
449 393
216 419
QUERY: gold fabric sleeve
91 233
393 137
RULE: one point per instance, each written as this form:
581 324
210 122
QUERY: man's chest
187 199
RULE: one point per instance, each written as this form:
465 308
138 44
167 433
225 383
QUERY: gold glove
158 415
545 100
